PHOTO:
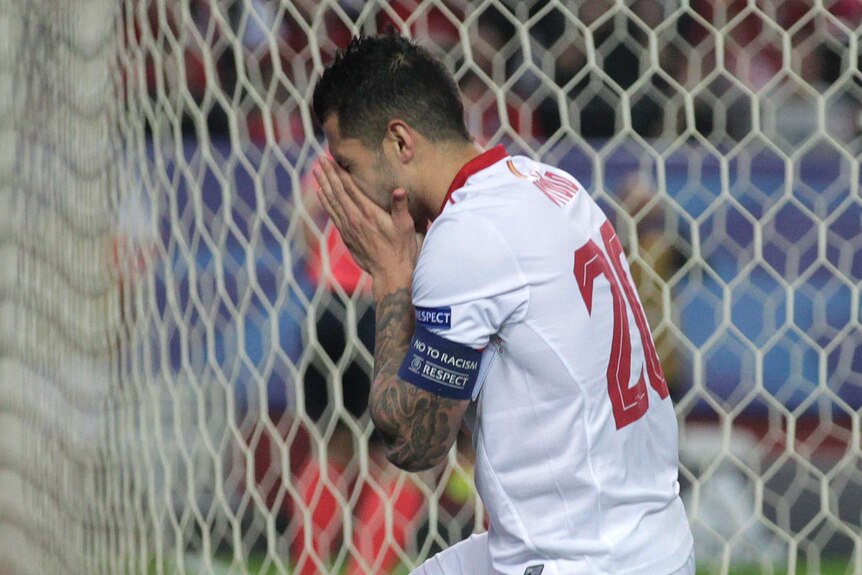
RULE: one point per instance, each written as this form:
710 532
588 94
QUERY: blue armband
440 366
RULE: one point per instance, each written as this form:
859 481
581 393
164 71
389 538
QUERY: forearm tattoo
417 427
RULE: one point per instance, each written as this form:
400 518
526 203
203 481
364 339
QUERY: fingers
351 189
327 197
330 209
400 210
343 193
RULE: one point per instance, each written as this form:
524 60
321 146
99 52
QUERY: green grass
843 566
259 565
256 564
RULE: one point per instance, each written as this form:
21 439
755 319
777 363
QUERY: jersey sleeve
467 282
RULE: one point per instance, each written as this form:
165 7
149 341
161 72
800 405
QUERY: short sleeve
467 283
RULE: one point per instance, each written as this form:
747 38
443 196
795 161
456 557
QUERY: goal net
185 346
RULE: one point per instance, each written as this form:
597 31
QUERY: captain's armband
440 366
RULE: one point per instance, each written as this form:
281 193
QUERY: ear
401 138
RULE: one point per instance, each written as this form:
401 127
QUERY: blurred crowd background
664 110
720 136
568 73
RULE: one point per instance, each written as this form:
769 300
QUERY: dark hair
377 78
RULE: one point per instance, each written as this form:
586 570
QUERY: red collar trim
477 164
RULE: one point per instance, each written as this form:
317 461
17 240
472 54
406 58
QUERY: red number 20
629 404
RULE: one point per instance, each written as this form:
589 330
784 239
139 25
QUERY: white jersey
575 436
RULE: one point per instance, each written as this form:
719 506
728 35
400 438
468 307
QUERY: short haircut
378 78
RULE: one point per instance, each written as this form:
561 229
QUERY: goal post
61 324
184 344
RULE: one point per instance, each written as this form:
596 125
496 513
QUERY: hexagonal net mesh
187 345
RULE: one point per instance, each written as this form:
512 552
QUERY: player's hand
382 243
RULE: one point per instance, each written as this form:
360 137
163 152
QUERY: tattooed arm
418 427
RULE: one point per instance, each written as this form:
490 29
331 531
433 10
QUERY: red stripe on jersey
558 189
484 160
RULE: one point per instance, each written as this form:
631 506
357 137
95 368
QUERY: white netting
174 339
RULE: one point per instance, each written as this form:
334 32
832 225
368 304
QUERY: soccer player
517 315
